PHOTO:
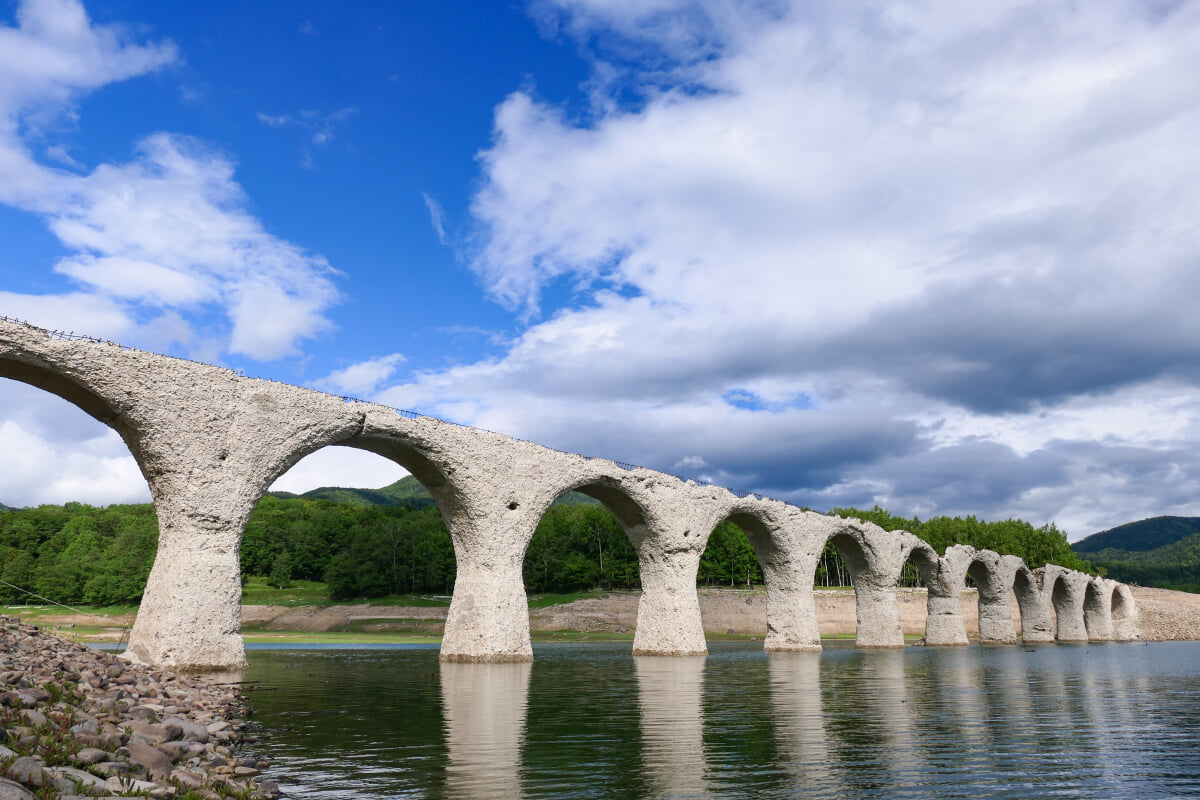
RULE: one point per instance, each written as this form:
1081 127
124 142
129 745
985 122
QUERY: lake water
592 721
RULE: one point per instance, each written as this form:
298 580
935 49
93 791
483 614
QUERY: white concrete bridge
210 441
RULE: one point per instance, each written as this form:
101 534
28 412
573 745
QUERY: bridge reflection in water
484 707
672 724
593 721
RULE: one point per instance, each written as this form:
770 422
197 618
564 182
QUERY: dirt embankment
1165 615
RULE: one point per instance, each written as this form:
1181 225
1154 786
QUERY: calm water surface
592 721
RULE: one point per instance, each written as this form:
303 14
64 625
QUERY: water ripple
592 721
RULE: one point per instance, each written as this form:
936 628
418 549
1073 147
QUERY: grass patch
258 592
335 637
556 599
34 613
407 600
580 636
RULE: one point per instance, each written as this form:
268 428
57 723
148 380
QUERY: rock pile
76 722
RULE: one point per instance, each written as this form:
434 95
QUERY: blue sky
935 256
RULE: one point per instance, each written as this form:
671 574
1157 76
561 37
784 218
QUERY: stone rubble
77 722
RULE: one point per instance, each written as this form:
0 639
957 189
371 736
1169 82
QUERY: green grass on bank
335 637
257 592
553 599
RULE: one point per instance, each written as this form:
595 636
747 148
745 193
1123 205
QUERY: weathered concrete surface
944 626
1064 590
210 442
1037 625
1109 611
999 579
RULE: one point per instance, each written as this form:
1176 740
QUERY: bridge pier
668 620
791 617
995 609
878 613
1064 589
788 547
1097 610
191 615
876 568
944 626
488 620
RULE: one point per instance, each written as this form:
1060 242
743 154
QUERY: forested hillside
1163 552
360 548
407 491
1136 537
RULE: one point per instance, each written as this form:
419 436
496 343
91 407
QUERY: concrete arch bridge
210 441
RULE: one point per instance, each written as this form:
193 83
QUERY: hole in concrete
513 506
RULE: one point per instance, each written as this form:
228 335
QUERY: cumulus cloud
855 253
362 378
54 453
161 237
339 466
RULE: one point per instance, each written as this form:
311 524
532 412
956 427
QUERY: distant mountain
1138 537
406 491
1161 551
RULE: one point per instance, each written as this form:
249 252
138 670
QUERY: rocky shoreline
77 722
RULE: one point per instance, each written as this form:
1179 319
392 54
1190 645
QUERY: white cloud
164 235
960 235
318 126
54 453
362 378
437 216
339 466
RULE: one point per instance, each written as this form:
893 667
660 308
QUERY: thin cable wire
54 602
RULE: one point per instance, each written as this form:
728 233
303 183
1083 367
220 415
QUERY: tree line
77 553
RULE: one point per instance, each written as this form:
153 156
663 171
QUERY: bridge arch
613 504
788 621
1064 589
74 389
209 441
1036 625
1124 614
875 559
994 613
101 554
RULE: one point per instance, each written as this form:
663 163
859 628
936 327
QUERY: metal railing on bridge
404 412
